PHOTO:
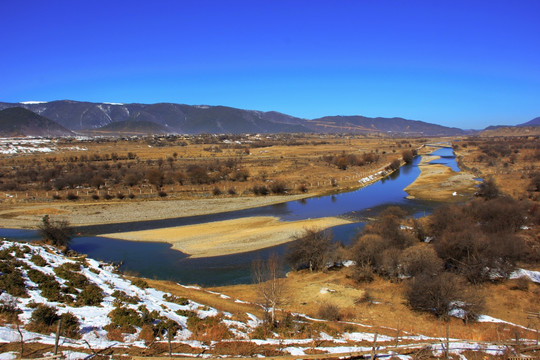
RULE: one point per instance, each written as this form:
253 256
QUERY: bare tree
313 250
268 275
58 233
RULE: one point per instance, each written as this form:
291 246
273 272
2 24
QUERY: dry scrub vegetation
195 166
412 273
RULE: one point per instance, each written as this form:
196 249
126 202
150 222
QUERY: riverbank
230 236
438 182
29 216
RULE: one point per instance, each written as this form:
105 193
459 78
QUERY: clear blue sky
457 63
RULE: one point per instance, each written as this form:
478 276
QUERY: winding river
159 261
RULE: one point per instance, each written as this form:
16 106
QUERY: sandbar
230 236
438 182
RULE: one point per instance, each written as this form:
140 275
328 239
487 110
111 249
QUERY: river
159 261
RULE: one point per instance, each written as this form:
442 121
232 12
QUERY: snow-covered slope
25 268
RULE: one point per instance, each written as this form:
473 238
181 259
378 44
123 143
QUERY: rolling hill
17 121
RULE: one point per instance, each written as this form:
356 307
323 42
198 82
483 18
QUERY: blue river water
159 261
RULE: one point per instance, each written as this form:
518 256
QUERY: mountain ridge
194 119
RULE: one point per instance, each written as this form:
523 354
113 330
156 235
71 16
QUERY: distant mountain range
124 119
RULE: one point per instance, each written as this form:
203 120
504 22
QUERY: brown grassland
101 184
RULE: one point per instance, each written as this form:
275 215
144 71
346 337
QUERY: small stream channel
159 261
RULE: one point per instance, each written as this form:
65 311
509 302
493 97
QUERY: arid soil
230 236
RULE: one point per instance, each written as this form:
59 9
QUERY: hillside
18 121
127 127
511 131
197 119
361 124
101 309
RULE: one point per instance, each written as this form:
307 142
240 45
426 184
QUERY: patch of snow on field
534 276
11 146
9 355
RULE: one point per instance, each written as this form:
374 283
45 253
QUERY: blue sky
467 64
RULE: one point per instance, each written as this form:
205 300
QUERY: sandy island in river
438 182
230 236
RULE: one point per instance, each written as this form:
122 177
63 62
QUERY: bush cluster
343 161
124 320
44 320
11 278
470 244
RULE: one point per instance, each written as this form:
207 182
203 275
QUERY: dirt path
230 236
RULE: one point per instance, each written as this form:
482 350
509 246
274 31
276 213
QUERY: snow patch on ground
11 146
534 276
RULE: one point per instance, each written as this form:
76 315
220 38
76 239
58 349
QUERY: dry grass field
98 181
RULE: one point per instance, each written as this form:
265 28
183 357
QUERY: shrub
443 294
366 298
146 334
125 318
395 164
43 319
408 156
420 258
217 191
107 196
38 260
71 196
368 249
488 190
329 312
140 283
260 190
313 251
90 296
70 326
162 193
9 309
131 196
58 233
120 195
74 279
278 187
95 196
231 191
12 281
363 273
176 299
390 265
121 297
47 284
209 328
